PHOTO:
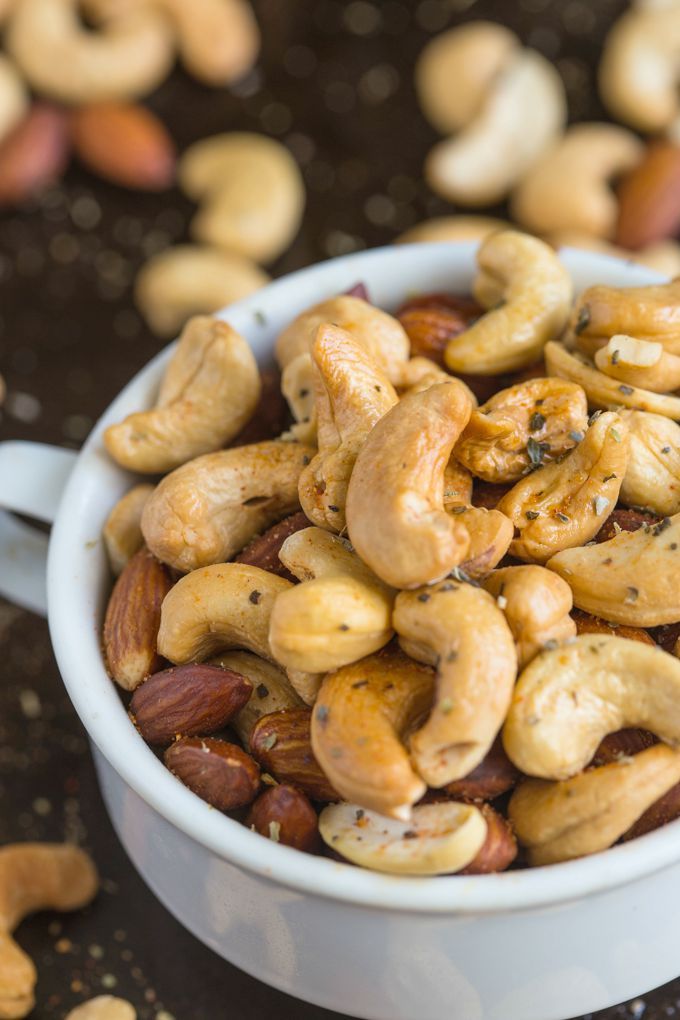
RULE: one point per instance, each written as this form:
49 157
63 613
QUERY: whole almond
133 617
34 154
216 771
431 320
493 776
126 144
284 814
649 198
499 848
264 550
187 701
281 743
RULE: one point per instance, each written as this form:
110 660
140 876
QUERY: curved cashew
568 187
210 390
490 533
631 579
272 691
492 152
35 876
130 54
361 716
586 814
536 603
639 363
189 279
395 510
297 386
499 443
648 313
122 532
653 474
13 98
567 699
565 504
352 394
440 838
534 289
216 608
452 228
340 613
603 391
663 256
207 510
462 630
252 192
103 1007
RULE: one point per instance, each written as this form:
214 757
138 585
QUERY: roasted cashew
252 192
272 691
13 98
440 838
360 719
536 603
569 698
565 504
639 363
209 392
498 442
190 280
603 391
480 164
647 313
567 188
452 228
652 477
525 276
297 386
590 812
35 876
490 534
395 510
103 1007
662 256
352 394
217 608
457 483
340 612
129 56
461 629
207 510
122 532
631 579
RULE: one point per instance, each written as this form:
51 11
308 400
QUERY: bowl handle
32 479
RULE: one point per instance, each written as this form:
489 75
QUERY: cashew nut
631 579
461 629
352 394
534 290
568 186
122 532
567 699
210 390
490 533
207 510
35 876
297 386
457 480
648 313
360 719
565 504
216 608
452 228
498 442
652 477
272 691
130 54
662 256
340 613
480 164
252 192
13 98
639 363
395 510
103 1007
189 280
586 814
440 838
536 603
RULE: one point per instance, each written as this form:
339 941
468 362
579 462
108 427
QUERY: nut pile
434 625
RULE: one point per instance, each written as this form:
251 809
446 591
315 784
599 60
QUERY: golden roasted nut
297 386
651 313
536 603
272 692
122 532
652 477
641 363
490 534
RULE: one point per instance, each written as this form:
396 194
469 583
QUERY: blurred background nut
452 228
13 98
663 257
649 198
122 532
103 1007
218 772
124 143
284 814
33 154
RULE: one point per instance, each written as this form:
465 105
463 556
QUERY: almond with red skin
494 776
668 636
264 550
281 743
622 744
272 415
499 848
34 154
220 773
623 519
125 144
665 809
649 198
284 814
434 319
187 701
133 617
359 290
587 624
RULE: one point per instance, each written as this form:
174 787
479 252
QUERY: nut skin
649 198
133 616
271 417
125 144
668 636
281 743
189 700
622 519
34 154
264 550
431 320
661 812
220 773
622 744
500 846
587 624
288 808
493 776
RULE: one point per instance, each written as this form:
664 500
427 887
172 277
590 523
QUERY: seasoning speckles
255 597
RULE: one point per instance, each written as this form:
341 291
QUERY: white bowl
541 944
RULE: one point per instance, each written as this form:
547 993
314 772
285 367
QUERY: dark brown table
335 84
